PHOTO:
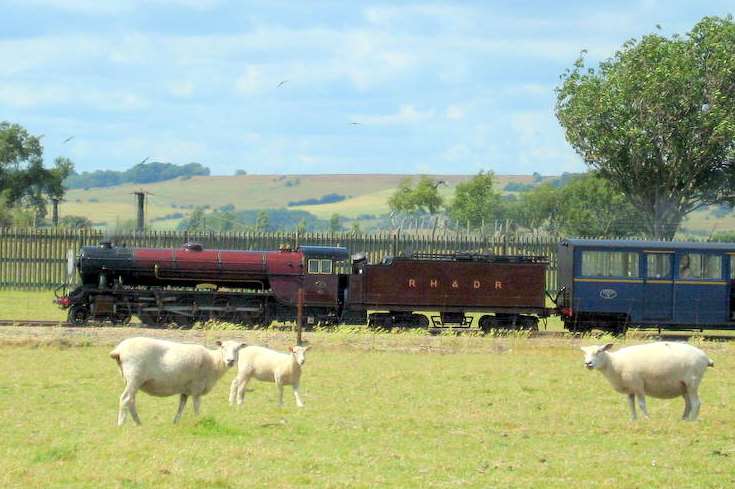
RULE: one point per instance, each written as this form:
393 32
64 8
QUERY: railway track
651 334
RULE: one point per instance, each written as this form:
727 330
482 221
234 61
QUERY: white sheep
165 368
269 366
664 370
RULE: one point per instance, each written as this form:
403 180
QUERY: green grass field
29 305
381 411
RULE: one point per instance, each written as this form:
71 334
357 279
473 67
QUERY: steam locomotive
184 285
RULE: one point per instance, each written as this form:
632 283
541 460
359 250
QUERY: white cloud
407 114
530 89
251 81
455 113
49 95
107 7
181 88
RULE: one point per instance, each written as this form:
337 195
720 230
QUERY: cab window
320 266
609 264
700 266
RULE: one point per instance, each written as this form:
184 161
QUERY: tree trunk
663 220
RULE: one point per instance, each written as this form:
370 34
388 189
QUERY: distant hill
364 195
141 173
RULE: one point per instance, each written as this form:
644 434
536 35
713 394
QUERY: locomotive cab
323 290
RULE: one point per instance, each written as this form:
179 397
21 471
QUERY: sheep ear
290 348
218 343
307 348
606 347
242 345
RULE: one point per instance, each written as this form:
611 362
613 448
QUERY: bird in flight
67 139
355 123
283 82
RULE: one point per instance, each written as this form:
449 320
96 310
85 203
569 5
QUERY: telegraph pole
140 226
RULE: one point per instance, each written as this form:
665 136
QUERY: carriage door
658 287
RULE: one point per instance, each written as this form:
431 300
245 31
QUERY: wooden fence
36 258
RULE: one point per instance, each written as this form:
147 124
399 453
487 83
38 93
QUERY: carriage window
698 266
320 266
609 264
659 265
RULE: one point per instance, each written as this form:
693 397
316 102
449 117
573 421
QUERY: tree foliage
335 223
24 181
586 206
262 221
424 197
476 201
75 222
658 121
141 173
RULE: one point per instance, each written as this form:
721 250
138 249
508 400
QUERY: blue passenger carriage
611 284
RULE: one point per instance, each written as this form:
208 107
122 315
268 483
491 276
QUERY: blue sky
370 87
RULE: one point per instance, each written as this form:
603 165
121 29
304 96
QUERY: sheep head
229 351
596 355
299 353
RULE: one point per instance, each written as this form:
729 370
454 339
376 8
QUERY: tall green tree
262 221
476 201
24 181
335 223
196 223
657 120
590 206
539 208
408 202
424 197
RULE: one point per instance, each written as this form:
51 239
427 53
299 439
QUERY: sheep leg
182 404
196 402
687 407
642 404
695 404
280 393
127 403
631 405
297 395
233 390
242 386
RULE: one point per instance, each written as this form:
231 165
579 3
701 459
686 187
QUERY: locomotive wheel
122 315
152 319
182 321
78 315
226 316
185 320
